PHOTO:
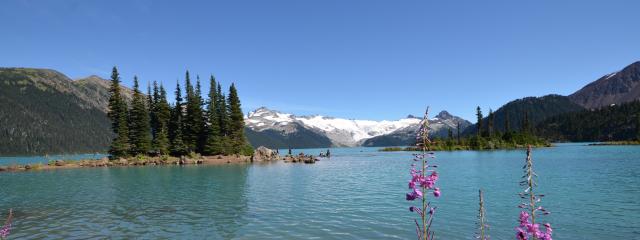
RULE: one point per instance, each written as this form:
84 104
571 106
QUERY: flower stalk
528 228
482 219
6 228
423 181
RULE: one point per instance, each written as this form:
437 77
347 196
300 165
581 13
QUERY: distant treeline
150 126
613 123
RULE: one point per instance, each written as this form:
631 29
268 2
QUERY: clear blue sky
354 59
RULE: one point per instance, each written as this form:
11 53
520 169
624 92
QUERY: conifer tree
507 124
458 131
139 129
222 112
238 140
525 123
490 123
200 118
193 120
213 142
151 105
177 146
162 113
119 116
479 124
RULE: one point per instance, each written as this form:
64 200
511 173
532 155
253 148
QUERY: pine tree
490 123
139 124
507 124
177 146
213 144
151 105
223 122
193 120
525 123
238 141
638 127
161 112
479 124
119 116
449 133
222 111
458 131
200 118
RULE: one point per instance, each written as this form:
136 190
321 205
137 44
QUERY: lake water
592 192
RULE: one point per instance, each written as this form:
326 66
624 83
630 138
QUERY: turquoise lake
593 192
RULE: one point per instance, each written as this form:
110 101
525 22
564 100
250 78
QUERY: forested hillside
615 123
527 111
43 112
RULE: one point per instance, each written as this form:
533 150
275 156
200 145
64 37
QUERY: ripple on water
592 193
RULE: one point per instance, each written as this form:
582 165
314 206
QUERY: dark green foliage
517 140
238 141
538 109
118 112
139 123
161 113
213 143
491 119
177 146
614 123
193 124
479 121
36 117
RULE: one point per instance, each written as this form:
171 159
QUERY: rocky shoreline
261 154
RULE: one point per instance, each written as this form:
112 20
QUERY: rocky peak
614 88
444 115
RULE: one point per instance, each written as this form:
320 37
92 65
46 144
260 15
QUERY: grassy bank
193 159
615 143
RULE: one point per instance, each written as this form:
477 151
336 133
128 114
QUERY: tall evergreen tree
458 131
214 136
507 124
490 122
525 123
222 111
151 105
163 113
193 120
479 124
177 146
238 140
139 124
200 118
638 127
119 116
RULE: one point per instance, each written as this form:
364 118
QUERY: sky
343 58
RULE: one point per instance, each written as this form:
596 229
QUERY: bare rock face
263 154
615 88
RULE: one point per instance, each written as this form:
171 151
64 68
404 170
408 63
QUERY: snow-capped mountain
339 131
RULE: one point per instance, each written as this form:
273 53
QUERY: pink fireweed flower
436 192
528 227
422 181
6 228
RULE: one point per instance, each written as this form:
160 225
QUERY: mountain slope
45 112
538 109
439 126
289 130
614 88
614 123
